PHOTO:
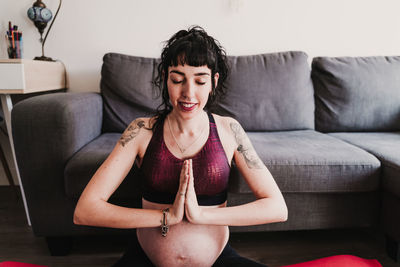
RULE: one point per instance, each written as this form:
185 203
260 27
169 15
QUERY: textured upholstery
309 161
300 161
319 211
270 92
48 130
127 90
84 164
356 94
386 147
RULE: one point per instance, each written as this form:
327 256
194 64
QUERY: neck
188 126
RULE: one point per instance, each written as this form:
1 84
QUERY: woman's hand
192 209
177 210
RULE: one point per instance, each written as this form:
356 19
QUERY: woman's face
189 88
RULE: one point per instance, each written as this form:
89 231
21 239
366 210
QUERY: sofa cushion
309 161
127 90
266 92
386 147
356 93
318 211
300 161
83 165
269 92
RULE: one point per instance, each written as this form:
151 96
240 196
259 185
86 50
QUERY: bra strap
210 117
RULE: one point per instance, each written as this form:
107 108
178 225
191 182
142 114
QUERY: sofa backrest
356 93
270 92
127 90
266 92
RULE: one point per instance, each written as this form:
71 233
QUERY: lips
187 106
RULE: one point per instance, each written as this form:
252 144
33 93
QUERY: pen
17 45
12 38
20 45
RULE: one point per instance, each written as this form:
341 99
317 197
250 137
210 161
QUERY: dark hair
195 48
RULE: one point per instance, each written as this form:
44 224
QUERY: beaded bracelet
164 222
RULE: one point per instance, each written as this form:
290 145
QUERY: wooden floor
17 243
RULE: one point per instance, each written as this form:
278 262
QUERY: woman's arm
270 205
93 208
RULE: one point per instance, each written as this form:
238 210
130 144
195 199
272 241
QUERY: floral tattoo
245 147
131 132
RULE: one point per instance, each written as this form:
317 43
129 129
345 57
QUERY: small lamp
40 15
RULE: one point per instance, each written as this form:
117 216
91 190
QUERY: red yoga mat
338 261
18 264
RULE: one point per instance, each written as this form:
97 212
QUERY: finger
191 168
188 173
188 167
183 181
191 173
191 177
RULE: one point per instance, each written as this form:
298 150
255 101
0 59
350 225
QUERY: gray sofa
328 133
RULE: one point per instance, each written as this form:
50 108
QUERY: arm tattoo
245 147
131 132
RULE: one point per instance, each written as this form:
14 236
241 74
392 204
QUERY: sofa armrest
47 131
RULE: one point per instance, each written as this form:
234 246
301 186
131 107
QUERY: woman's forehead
188 70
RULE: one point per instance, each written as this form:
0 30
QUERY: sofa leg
59 245
393 248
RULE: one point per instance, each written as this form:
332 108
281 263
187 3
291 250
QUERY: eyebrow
183 74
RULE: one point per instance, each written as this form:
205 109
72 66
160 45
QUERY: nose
188 90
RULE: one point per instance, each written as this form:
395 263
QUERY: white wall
87 29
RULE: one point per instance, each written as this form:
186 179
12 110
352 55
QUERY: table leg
7 106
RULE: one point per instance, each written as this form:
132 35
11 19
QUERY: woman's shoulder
226 126
224 121
142 122
226 135
138 128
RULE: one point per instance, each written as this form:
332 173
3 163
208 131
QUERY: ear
216 77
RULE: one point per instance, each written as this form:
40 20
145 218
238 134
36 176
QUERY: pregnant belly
186 244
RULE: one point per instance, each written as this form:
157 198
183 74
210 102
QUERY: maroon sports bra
160 170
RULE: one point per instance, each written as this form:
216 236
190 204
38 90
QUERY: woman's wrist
164 222
199 217
172 218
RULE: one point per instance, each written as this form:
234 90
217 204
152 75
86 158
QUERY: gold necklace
176 141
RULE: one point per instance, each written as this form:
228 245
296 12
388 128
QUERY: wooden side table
24 76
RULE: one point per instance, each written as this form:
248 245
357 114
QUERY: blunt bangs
193 53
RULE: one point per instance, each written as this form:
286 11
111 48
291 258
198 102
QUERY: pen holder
14 48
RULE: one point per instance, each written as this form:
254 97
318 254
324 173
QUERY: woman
184 154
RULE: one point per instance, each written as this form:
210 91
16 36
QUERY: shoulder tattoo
131 132
245 148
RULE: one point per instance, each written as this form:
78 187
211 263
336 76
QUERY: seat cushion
300 161
309 161
386 147
269 92
357 94
83 165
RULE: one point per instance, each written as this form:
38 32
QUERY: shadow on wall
84 80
